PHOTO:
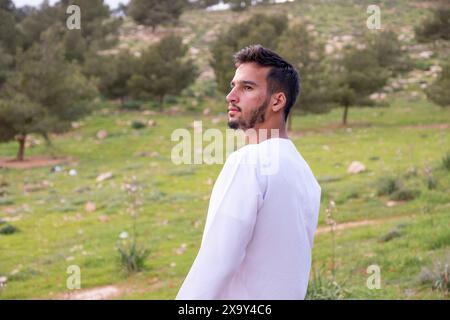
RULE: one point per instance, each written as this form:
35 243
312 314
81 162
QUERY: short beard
256 116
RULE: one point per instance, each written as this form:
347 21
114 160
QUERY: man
265 203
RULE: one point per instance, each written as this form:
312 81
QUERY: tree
436 27
43 95
38 21
439 91
112 72
307 55
98 29
259 29
162 69
10 36
360 76
388 51
6 64
155 12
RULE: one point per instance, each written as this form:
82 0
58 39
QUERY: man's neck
264 132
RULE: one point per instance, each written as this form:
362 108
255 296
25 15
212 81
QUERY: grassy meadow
63 219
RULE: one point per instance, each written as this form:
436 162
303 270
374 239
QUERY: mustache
237 107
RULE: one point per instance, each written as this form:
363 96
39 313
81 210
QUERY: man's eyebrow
244 82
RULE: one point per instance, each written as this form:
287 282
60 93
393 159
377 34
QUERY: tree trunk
344 117
21 139
161 101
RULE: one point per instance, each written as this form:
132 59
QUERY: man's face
248 98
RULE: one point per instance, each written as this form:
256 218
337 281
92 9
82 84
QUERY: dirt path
355 224
33 162
111 291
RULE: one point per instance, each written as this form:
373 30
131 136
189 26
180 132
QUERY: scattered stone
181 249
102 134
377 96
151 123
73 172
3 281
56 169
103 218
426 54
104 176
356 167
123 235
206 111
90 206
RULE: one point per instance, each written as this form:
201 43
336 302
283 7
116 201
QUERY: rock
123 235
76 125
3 281
90 206
435 69
174 110
377 96
73 172
151 123
347 38
206 111
104 176
356 167
56 169
103 218
426 54
181 249
102 134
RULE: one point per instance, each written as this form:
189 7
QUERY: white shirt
259 229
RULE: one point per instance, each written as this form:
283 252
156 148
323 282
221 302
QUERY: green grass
55 231
54 223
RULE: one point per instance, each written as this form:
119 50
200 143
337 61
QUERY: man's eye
248 88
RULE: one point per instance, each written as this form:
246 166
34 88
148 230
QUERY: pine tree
43 95
155 12
439 91
161 70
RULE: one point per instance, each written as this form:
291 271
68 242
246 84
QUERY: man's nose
232 97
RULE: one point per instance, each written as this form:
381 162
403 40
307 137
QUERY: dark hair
281 77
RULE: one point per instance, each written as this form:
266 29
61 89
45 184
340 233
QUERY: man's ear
278 101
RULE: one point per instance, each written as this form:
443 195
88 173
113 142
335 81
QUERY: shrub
321 288
132 257
446 161
131 105
8 229
435 27
388 185
437 276
136 124
404 194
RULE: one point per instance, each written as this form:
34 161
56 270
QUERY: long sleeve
232 214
